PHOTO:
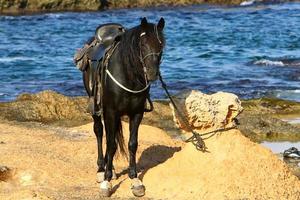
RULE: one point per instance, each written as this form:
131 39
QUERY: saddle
89 60
94 49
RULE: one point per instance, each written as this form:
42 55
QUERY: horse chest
133 104
126 104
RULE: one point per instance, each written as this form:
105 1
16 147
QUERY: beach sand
60 163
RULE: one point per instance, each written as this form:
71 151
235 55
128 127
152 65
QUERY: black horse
131 67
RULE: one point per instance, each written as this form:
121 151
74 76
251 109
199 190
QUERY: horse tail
120 138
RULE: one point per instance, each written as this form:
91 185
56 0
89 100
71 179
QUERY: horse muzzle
152 75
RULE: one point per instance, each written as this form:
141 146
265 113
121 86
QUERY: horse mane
130 52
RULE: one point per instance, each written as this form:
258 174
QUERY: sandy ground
60 163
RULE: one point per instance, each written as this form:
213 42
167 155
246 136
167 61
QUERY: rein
196 139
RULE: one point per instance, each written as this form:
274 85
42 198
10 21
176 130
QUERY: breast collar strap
106 60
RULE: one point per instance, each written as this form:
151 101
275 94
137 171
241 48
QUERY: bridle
142 60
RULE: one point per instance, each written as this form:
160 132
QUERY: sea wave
4 17
54 15
13 59
268 3
269 63
247 3
280 62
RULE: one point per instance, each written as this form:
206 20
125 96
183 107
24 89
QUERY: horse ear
144 23
161 24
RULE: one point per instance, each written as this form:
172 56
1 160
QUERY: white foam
12 59
269 63
247 3
53 15
296 91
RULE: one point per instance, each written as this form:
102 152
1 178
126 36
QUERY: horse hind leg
98 130
137 187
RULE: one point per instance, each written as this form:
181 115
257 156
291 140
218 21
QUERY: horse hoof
100 177
138 191
137 188
105 188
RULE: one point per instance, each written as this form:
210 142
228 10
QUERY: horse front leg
98 130
137 187
112 125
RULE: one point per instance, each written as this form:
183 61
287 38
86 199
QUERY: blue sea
252 51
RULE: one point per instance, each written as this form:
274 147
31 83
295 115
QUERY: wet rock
294 165
271 106
204 111
46 106
261 119
5 173
261 127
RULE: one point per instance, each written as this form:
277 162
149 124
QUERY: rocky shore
33 6
261 119
54 135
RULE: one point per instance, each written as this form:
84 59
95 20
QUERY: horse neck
132 71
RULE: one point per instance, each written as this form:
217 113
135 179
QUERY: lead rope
196 138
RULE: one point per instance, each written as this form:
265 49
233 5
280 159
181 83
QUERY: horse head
151 47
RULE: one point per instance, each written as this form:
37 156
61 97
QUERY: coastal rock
29 6
260 127
261 119
20 6
206 111
271 106
46 106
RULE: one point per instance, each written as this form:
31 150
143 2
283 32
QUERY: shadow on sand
153 156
